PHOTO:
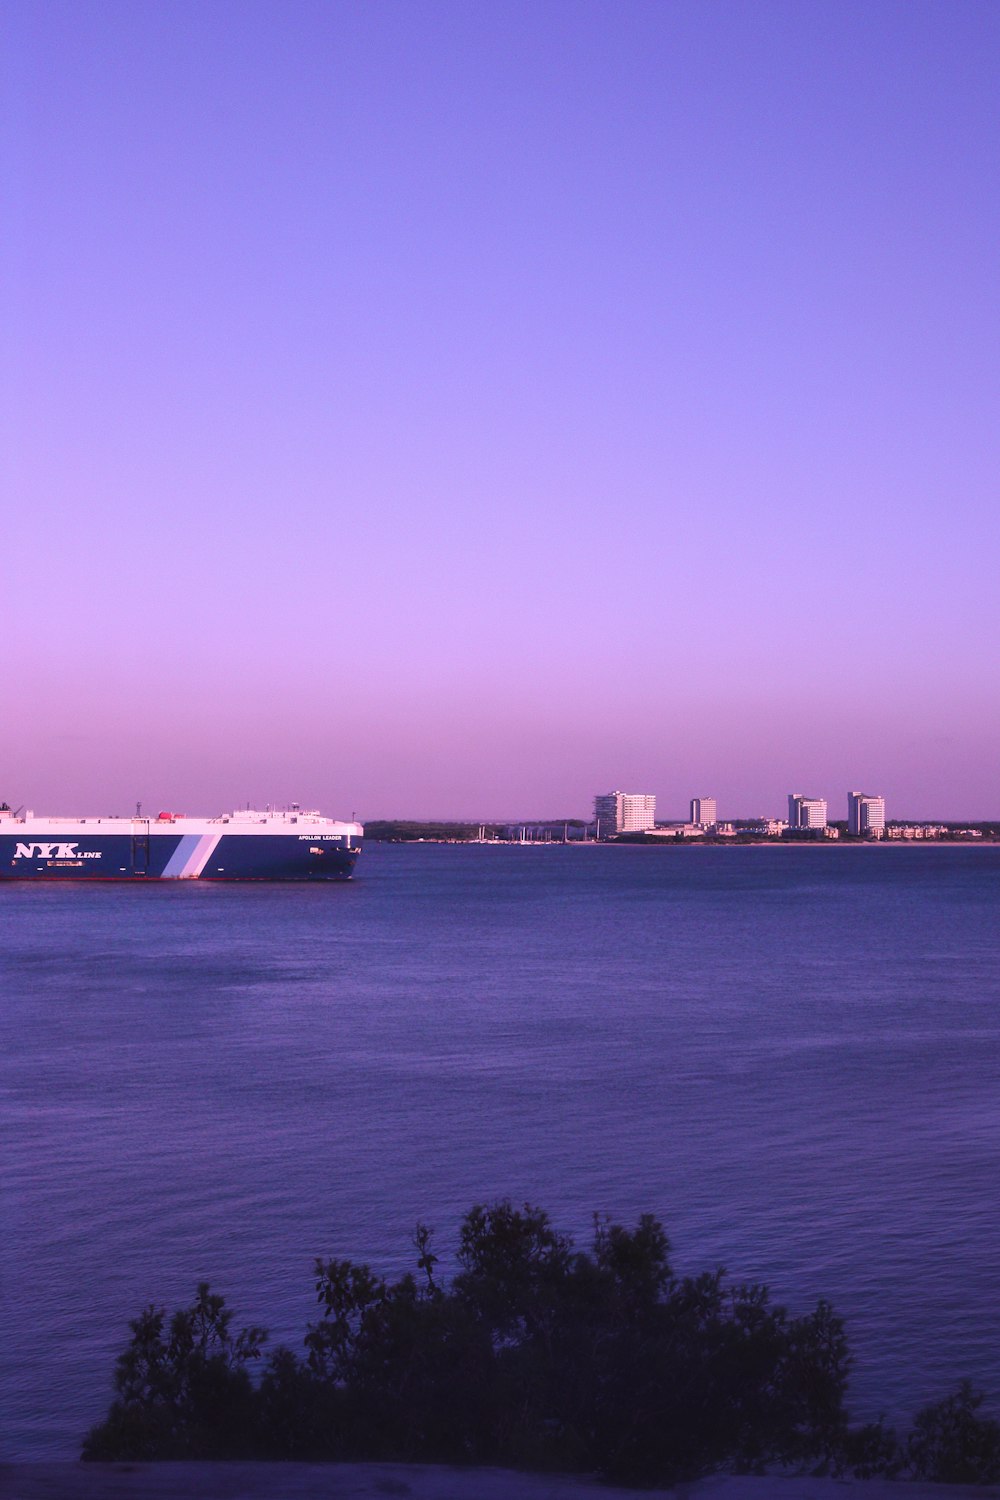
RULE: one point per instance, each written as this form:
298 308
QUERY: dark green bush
954 1445
536 1355
185 1393
871 1451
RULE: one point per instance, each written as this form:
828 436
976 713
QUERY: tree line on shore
535 1355
395 831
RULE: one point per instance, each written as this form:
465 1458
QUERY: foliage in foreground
535 1356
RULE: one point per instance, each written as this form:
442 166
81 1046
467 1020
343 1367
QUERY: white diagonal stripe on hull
186 846
199 856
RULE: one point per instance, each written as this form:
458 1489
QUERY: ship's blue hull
178 856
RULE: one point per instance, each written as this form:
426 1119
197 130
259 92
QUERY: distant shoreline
676 843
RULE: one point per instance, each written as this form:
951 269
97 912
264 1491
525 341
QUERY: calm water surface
790 1055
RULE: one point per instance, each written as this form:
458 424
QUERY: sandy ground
224 1481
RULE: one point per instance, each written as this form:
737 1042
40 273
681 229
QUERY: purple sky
451 409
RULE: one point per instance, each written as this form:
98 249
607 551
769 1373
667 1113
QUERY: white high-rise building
704 813
865 815
806 812
624 812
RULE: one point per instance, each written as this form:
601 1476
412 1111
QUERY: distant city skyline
450 410
862 812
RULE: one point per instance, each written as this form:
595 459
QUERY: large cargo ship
247 845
